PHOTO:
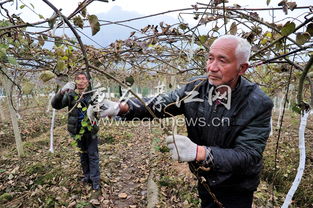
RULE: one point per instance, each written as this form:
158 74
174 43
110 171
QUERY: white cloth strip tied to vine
297 180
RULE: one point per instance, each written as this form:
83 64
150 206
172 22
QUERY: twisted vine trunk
311 88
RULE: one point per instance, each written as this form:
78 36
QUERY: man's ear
243 68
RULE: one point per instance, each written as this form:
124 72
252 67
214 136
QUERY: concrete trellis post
51 149
51 95
13 114
275 104
2 118
280 110
291 91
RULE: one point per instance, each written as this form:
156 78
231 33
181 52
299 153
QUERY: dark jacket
60 101
236 136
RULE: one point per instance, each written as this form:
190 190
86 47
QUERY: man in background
72 96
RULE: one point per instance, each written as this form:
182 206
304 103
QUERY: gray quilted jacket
237 136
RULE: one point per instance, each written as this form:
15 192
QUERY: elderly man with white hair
228 124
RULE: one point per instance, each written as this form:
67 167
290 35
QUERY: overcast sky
143 7
126 9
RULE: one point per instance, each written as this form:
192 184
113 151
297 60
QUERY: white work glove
67 87
91 114
105 108
187 150
108 108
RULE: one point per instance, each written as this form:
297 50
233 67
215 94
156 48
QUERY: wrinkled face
223 66
81 82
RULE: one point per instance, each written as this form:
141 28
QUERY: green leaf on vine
233 28
129 81
309 29
302 38
291 5
22 6
3 54
268 2
41 17
203 38
46 76
78 22
57 41
81 131
84 123
183 26
27 88
288 28
84 12
41 40
74 143
77 136
84 108
295 108
12 60
60 65
94 24
51 23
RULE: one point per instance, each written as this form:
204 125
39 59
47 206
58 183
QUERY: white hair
243 47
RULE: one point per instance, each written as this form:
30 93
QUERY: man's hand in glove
68 87
185 150
92 115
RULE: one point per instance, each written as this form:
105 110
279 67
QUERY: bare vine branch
300 101
74 32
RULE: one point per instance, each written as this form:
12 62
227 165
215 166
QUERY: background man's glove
67 87
187 150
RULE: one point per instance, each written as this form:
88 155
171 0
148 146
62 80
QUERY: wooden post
17 134
2 118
